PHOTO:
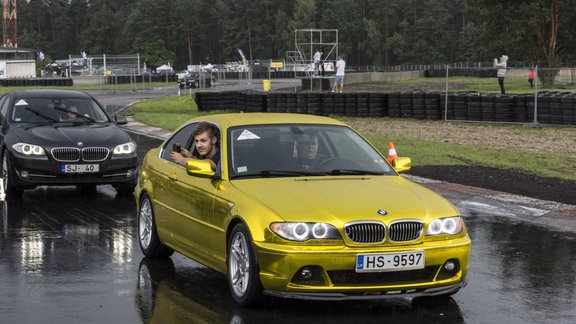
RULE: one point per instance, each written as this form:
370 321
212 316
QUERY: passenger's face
204 143
308 149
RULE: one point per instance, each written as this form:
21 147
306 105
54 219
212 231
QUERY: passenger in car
206 146
72 113
307 151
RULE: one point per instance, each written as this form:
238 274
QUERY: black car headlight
28 149
448 225
126 148
305 231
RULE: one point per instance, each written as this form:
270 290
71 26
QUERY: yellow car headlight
448 225
305 231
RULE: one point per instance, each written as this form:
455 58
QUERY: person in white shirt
340 68
317 57
501 74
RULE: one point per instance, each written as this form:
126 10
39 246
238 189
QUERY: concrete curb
491 203
147 130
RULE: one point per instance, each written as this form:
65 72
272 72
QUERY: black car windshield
57 110
301 150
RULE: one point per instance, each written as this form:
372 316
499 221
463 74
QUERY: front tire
243 272
7 175
147 232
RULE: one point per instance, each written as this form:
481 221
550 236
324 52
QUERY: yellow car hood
346 198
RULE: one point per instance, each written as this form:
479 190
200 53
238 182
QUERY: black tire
7 173
126 188
147 232
243 272
87 189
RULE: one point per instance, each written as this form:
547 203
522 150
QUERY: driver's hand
186 153
177 157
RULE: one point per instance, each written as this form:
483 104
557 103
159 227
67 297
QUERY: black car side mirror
120 120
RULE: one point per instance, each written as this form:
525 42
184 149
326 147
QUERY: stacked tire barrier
557 108
48 82
265 75
432 105
464 72
128 79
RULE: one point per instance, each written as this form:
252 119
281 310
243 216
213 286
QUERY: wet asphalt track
68 256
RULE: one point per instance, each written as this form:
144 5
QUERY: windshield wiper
353 172
90 119
277 173
37 113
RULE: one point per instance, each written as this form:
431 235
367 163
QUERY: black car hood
62 134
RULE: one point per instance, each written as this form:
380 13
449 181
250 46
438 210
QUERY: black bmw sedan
62 137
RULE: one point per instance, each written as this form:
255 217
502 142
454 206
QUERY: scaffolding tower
307 42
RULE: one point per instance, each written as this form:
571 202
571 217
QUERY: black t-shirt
216 158
307 164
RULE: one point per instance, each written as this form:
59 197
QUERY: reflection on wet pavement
178 294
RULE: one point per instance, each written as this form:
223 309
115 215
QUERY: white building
17 63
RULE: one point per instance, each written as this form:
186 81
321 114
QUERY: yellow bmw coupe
298 206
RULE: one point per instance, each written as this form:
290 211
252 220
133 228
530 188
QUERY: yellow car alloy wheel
243 272
147 232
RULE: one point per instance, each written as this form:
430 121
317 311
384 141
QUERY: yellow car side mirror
199 168
402 164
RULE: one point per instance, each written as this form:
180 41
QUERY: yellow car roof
237 119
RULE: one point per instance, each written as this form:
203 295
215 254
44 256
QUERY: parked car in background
300 206
62 137
196 80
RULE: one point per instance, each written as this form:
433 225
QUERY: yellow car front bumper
328 272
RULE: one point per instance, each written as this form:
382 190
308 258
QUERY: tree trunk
547 35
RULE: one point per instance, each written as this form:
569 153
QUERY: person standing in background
340 68
316 59
531 78
501 74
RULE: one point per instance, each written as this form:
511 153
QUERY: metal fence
129 64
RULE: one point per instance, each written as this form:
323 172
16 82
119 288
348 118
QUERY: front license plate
375 262
80 168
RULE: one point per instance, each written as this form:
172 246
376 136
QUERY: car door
191 200
162 175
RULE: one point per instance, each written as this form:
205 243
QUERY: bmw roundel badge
382 212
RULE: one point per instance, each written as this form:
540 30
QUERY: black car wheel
7 174
125 188
243 272
147 233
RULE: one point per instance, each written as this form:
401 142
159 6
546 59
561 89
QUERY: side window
183 138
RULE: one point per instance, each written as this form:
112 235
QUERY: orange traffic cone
391 152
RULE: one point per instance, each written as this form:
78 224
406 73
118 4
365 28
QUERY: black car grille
367 232
374 232
353 278
405 231
95 154
74 154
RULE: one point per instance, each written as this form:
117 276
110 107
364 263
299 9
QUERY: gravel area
553 140
543 140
